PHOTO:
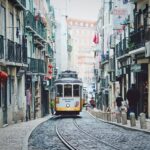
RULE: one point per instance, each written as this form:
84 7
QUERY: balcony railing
36 65
35 25
1 47
41 66
50 51
40 28
21 4
24 50
11 51
30 21
16 52
137 40
147 35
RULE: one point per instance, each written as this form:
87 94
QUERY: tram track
63 140
93 137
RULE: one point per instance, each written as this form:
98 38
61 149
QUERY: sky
79 9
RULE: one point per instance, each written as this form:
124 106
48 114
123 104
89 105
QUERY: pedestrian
133 98
119 101
52 106
28 103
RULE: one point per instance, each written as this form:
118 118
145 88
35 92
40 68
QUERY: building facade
128 50
25 54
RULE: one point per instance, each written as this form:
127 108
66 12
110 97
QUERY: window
3 21
59 91
67 90
11 26
75 90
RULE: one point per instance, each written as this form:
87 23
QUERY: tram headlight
57 100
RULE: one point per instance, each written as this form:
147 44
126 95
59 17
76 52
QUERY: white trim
137 51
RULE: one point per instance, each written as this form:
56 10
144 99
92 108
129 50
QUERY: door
3 96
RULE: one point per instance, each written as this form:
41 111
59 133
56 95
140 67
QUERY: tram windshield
75 90
59 90
67 90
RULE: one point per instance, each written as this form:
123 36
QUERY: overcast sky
79 9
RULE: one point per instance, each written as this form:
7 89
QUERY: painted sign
119 15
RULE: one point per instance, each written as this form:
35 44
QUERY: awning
3 75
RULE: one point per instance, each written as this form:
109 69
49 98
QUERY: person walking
119 101
52 106
133 98
28 103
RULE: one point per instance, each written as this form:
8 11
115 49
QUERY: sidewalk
96 113
15 137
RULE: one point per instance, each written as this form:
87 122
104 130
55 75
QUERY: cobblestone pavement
128 125
15 137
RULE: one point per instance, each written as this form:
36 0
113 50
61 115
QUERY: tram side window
59 90
75 90
67 90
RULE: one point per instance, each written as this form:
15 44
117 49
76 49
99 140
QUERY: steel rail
64 141
93 137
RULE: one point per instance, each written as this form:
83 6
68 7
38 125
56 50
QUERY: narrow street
91 134
74 74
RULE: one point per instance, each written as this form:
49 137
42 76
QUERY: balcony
20 4
1 47
136 40
16 52
41 66
24 50
147 35
11 51
36 65
40 30
30 22
49 53
35 25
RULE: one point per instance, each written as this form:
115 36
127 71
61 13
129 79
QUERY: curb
25 141
120 125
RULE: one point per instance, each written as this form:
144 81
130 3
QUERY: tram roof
68 80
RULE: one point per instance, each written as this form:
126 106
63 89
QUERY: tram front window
67 90
59 90
75 90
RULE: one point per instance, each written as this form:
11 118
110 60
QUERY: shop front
141 80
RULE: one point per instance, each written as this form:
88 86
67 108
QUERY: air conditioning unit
147 49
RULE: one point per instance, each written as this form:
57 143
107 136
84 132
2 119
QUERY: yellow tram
68 93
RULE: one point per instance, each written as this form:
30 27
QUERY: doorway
3 99
142 85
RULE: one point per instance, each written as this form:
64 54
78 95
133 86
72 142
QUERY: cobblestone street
15 137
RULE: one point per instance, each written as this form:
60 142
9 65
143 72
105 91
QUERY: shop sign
119 72
119 16
136 68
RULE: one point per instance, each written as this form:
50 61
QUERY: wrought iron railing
18 53
24 50
40 28
20 3
1 47
11 51
136 39
30 20
36 65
